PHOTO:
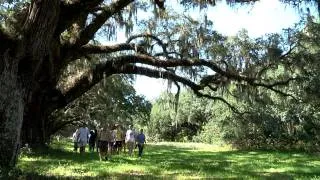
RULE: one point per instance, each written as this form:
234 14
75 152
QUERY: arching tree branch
149 60
125 65
95 49
278 83
95 75
131 69
155 73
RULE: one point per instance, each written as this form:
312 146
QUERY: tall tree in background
40 38
166 124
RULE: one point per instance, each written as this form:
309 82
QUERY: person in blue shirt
141 140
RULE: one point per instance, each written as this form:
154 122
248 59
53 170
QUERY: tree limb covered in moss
123 65
96 49
131 69
148 35
272 86
149 60
88 33
116 65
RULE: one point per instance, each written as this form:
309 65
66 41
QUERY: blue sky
265 16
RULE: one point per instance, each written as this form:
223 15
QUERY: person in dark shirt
141 140
92 140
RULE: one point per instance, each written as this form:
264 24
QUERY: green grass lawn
170 161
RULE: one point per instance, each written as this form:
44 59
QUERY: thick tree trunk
26 74
11 113
42 58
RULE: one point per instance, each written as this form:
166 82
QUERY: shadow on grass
31 176
170 162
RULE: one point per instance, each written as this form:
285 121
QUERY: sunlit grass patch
172 161
196 146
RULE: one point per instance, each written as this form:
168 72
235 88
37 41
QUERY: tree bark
34 131
11 112
27 70
42 61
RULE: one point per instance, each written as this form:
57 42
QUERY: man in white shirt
83 137
130 140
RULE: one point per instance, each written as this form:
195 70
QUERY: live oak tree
39 38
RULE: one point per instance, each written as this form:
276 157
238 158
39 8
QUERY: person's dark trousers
82 149
91 147
140 147
75 146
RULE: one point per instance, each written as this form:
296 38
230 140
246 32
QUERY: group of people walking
108 140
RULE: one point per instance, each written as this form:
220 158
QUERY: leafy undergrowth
169 161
